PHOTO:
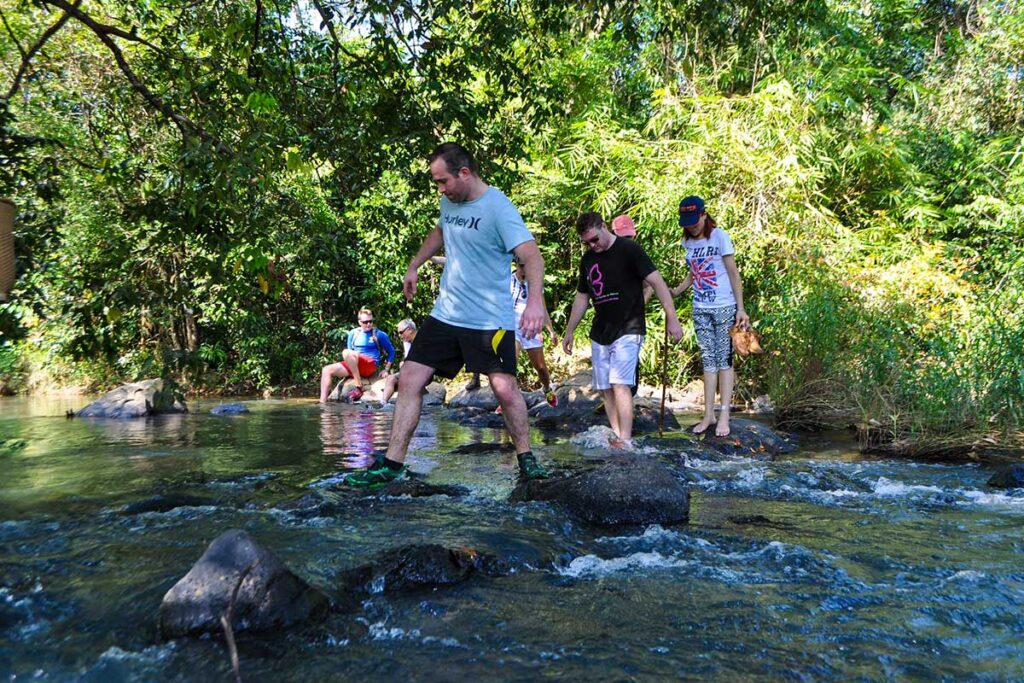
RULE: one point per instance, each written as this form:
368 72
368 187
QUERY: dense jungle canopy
211 189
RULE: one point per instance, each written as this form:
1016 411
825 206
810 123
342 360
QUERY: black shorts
446 348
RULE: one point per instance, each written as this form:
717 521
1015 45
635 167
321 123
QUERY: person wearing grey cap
407 333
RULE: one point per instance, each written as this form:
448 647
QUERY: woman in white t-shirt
717 305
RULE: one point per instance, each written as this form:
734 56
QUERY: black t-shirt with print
614 279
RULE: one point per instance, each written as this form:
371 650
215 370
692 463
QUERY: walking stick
664 381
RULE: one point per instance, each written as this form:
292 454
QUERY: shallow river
860 569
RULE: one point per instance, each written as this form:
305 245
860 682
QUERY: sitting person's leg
327 376
390 387
360 367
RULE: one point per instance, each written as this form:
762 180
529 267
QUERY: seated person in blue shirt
365 349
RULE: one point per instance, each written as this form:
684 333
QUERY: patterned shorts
712 328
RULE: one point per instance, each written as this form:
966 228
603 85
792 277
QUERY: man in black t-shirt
612 275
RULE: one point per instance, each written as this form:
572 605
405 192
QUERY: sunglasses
366 322
592 241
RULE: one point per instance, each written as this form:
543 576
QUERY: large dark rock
436 393
482 398
418 567
270 596
1010 477
476 417
138 399
229 409
632 490
579 416
747 437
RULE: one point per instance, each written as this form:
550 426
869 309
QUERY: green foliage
213 191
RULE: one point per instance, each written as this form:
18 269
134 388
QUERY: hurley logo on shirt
468 222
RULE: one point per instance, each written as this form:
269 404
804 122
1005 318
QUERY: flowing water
820 565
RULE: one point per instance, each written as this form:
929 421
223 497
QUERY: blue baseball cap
690 210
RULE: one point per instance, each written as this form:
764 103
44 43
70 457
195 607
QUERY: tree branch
338 47
253 67
26 57
14 38
132 35
186 126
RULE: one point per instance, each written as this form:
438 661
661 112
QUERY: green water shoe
529 468
377 475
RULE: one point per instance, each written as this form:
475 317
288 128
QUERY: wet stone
579 416
11 445
750 520
137 399
482 398
750 438
269 597
313 504
679 449
165 503
476 417
1009 477
419 567
625 490
229 409
481 448
414 488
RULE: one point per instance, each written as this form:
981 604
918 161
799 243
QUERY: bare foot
723 425
621 444
702 426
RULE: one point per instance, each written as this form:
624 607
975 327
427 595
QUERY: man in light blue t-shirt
472 323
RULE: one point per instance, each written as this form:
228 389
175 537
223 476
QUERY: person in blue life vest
612 275
366 349
472 323
717 305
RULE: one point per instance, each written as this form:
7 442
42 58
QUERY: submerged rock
270 595
339 499
138 399
478 448
11 445
418 567
750 520
313 504
633 490
748 437
229 409
407 486
165 503
1010 477
679 449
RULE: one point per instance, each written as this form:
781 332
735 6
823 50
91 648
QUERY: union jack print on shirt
704 276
